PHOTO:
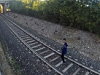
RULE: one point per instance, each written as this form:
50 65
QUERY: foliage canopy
82 14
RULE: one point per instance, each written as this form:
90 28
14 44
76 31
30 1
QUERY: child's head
64 39
65 43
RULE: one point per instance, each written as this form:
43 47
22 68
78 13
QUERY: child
64 50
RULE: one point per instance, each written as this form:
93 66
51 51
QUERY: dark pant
62 56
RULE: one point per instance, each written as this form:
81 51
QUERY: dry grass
4 63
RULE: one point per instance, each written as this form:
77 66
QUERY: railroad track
48 55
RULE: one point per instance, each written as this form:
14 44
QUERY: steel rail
89 69
34 51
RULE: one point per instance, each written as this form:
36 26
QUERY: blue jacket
64 48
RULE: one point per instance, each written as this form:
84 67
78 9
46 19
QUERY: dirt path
5 68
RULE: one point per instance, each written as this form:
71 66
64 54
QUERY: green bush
66 12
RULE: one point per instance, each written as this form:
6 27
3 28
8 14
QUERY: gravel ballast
86 43
80 42
24 61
